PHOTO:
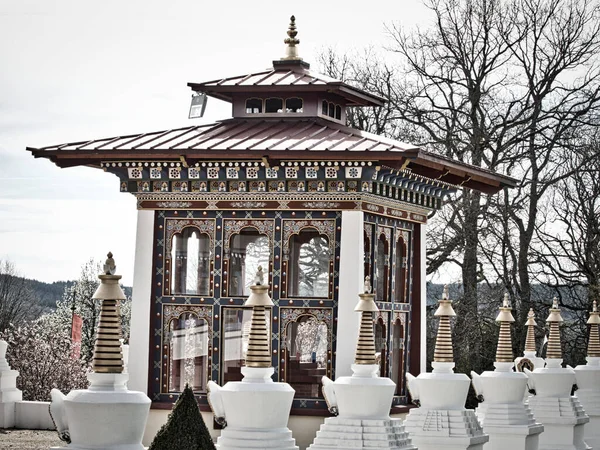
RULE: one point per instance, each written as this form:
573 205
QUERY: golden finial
594 341
108 356
291 52
443 343
505 317
365 347
530 341
554 350
259 342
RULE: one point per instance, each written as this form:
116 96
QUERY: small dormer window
293 105
274 105
254 106
331 109
338 112
324 107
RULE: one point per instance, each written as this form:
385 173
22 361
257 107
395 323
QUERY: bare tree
17 300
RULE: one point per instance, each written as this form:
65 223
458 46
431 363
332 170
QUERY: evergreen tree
185 428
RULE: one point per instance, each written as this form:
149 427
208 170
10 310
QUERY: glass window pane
398 356
249 249
324 107
381 275
190 266
331 112
274 105
306 356
236 332
293 105
338 112
254 106
308 269
188 353
400 271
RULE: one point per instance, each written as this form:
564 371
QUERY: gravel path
28 440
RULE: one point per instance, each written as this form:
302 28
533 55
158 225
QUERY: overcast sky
78 70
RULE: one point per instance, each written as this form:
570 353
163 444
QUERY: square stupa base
355 434
242 439
563 419
509 426
591 434
434 429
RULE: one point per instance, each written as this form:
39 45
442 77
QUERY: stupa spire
291 51
108 357
443 343
505 318
259 342
554 350
365 348
530 341
594 342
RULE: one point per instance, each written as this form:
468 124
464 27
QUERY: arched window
331 111
324 107
293 105
235 335
400 276
306 351
338 112
188 353
274 105
254 106
248 250
367 255
190 263
398 356
381 279
309 264
380 334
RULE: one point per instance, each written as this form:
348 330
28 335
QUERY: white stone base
591 434
510 426
563 419
9 395
96 447
433 429
241 439
590 400
354 434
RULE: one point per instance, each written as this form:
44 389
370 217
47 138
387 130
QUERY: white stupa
255 410
106 415
529 360
442 422
588 382
363 401
553 405
503 414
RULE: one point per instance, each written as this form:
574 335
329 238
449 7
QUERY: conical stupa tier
529 360
365 348
560 412
588 382
108 357
530 340
259 354
442 422
502 413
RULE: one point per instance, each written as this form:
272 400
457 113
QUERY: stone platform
351 434
241 439
509 426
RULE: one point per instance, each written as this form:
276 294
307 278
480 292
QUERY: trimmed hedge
185 429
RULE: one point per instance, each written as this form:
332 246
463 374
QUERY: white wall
423 269
351 283
33 416
141 302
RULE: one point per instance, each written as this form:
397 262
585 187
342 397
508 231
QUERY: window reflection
306 355
309 264
188 353
249 249
190 256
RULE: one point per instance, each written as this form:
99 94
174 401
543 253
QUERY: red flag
76 335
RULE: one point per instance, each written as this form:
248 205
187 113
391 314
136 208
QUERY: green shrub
185 429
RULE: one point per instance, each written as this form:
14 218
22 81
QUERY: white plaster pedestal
442 422
9 394
363 401
503 415
561 413
588 393
256 410
105 416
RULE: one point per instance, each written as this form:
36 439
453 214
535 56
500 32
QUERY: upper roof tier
289 75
